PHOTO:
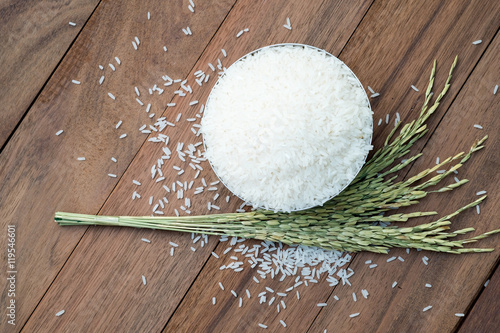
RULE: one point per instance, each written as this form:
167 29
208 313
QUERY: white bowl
207 109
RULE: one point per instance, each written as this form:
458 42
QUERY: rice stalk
346 222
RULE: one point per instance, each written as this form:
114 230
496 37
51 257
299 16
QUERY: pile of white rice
287 127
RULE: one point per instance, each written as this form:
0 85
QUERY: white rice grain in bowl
287 127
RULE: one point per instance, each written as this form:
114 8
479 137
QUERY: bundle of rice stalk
345 222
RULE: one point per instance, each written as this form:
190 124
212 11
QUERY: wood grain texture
40 172
226 315
455 280
34 36
114 260
103 289
100 285
396 43
371 52
483 317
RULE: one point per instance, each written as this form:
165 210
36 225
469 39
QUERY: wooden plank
455 280
113 260
34 36
40 172
410 38
102 237
414 52
483 317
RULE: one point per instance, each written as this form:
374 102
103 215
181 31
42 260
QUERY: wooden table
94 273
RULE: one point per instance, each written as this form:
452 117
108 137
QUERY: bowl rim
275 46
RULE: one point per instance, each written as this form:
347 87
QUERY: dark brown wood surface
94 274
34 36
454 279
404 100
482 317
40 172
